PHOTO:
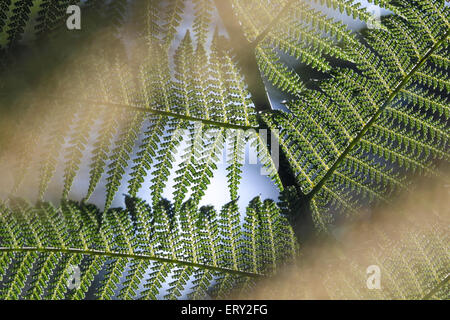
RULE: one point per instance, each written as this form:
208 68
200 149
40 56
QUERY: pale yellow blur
45 98
409 241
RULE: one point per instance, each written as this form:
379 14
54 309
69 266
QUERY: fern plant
378 112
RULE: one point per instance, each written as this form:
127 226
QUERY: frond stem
158 112
129 255
436 289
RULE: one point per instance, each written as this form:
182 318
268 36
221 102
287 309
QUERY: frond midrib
112 254
156 111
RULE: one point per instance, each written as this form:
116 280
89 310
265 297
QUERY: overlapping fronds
407 248
378 112
112 101
352 142
133 251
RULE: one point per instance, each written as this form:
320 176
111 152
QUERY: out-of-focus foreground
408 241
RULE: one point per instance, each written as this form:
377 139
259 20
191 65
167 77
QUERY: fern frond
206 164
276 72
80 137
124 145
146 154
236 154
18 20
258 141
173 13
108 127
63 118
121 155
4 10
165 157
348 7
39 245
187 168
379 108
50 14
202 21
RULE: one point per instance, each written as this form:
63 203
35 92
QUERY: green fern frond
121 155
18 19
202 21
63 119
41 243
4 10
277 73
165 157
173 13
206 164
146 154
236 154
380 109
